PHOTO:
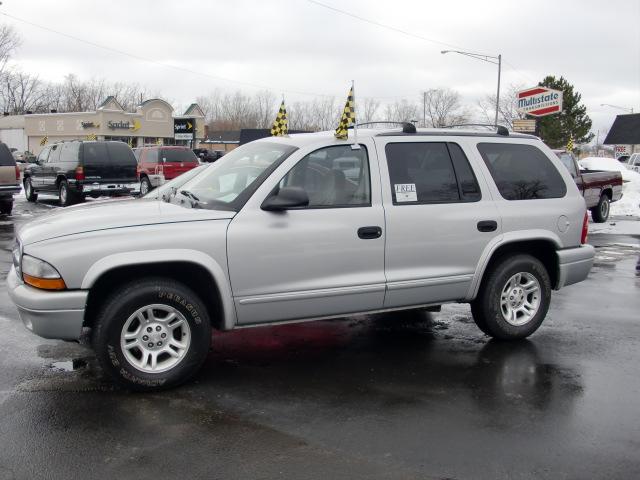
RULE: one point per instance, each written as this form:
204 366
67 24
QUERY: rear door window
522 172
121 154
430 172
54 155
69 152
175 155
44 155
94 153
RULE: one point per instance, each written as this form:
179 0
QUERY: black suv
77 169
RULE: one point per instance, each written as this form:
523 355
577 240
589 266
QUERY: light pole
626 109
485 58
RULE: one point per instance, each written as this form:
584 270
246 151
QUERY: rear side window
150 155
121 154
178 155
430 172
522 172
69 152
94 153
6 158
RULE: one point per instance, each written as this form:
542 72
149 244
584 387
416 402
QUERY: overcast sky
303 49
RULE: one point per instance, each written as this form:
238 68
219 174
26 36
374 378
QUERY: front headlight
40 274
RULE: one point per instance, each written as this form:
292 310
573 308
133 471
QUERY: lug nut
149 329
159 344
158 328
145 338
163 335
150 344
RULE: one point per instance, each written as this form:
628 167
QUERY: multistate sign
539 101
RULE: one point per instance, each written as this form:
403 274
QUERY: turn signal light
79 173
44 283
585 229
17 173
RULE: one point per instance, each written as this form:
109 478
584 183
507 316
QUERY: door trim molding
310 294
429 282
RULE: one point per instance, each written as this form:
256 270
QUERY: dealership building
153 122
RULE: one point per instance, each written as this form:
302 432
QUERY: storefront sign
524 126
184 128
539 101
89 125
124 125
620 150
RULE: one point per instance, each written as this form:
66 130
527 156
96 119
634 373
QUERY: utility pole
424 109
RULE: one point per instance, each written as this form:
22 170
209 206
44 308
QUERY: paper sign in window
406 192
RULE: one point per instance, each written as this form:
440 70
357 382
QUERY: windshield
165 190
233 178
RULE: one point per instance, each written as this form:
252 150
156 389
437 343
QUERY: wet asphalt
403 395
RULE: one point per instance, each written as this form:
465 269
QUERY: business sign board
539 101
620 150
184 128
524 125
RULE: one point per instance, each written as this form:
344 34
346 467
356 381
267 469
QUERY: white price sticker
406 192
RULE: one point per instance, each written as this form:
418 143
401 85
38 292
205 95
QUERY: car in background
206 155
599 188
157 164
604 164
164 191
9 179
634 162
79 169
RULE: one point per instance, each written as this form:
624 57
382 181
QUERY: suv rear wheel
152 334
31 195
513 299
65 195
145 186
600 213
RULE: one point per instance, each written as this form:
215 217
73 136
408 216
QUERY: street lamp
485 58
626 109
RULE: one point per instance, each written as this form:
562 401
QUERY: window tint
178 155
333 177
121 154
522 172
567 161
423 173
94 153
468 185
54 155
69 152
6 158
150 155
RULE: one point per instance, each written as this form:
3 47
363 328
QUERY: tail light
585 229
17 173
79 173
138 170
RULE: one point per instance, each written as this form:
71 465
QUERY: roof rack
500 129
407 127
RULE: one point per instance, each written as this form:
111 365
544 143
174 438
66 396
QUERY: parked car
276 231
79 169
208 156
599 188
634 162
158 164
9 180
166 190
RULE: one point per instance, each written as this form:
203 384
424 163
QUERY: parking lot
404 395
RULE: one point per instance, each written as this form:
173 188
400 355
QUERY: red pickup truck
157 164
599 188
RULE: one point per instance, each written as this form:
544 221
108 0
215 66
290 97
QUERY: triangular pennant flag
281 124
348 117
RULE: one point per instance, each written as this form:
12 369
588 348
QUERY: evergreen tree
572 123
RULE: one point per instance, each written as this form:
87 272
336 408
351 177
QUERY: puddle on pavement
69 365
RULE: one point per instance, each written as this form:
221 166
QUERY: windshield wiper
195 201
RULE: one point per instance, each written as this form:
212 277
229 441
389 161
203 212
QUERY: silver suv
307 227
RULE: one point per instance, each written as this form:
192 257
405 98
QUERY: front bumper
574 264
98 189
48 314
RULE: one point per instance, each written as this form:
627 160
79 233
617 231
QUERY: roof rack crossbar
500 129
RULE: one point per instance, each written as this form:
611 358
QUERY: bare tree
21 92
9 42
367 110
265 108
401 111
442 107
507 112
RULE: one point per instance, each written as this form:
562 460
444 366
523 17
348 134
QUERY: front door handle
487 226
367 233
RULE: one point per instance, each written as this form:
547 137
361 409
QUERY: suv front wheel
152 334
513 299
29 192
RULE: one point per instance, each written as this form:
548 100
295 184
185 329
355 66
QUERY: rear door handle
487 226
368 233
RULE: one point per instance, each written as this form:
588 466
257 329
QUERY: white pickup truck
307 227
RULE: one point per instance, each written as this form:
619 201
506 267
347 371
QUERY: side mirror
286 198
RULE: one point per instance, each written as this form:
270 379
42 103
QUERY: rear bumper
115 188
9 190
56 315
574 264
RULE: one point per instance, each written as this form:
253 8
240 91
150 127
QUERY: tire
145 186
490 309
6 207
600 213
29 192
65 196
128 308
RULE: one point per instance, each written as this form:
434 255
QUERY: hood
110 214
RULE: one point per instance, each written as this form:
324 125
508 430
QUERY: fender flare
127 259
500 241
